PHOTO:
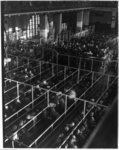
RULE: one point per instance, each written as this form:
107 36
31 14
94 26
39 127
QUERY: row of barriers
32 97
47 98
90 64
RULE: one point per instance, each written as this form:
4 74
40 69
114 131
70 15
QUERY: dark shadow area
106 136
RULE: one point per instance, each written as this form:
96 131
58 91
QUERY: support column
58 24
65 104
92 79
32 97
44 27
65 69
17 89
17 61
113 22
48 98
12 143
52 69
78 76
84 110
28 62
108 81
51 27
79 23
86 18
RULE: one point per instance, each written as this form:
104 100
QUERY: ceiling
10 7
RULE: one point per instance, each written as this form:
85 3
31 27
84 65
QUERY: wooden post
92 78
57 62
12 143
57 59
40 66
47 98
65 104
32 97
108 79
68 61
80 63
28 61
104 68
52 69
84 109
17 60
78 76
92 65
52 56
17 89
35 142
65 72
79 66
42 52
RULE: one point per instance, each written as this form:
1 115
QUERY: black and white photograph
59 74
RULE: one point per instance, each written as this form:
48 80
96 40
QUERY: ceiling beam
49 11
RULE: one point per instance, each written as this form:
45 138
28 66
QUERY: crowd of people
91 46
94 45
